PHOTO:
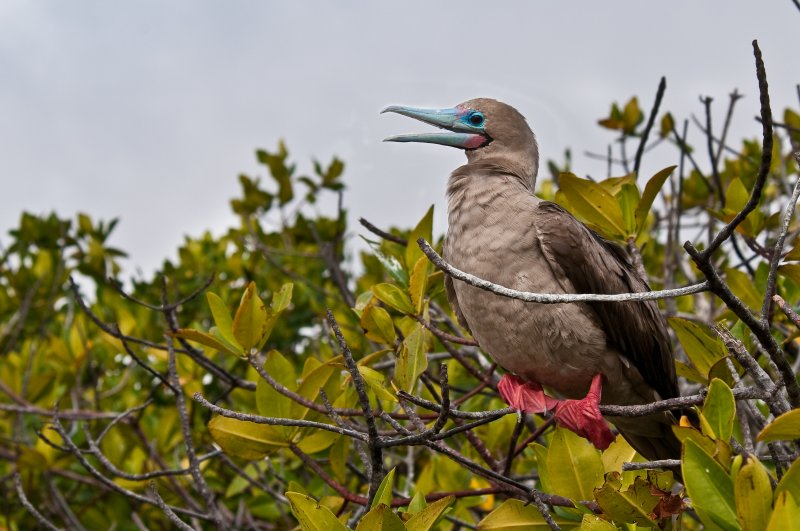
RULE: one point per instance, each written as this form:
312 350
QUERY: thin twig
167 510
662 86
29 506
662 463
777 251
382 233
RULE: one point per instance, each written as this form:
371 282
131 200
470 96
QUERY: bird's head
483 127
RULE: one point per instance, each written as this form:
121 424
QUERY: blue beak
462 135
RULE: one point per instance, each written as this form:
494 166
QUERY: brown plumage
499 231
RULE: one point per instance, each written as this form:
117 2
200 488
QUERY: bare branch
167 510
29 506
662 86
550 298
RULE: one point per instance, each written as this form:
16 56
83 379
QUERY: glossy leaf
719 409
427 518
311 515
786 514
393 296
590 202
381 518
753 496
516 515
651 190
579 466
384 493
205 339
702 346
633 505
709 486
424 229
419 283
790 482
784 428
245 440
378 324
412 359
222 318
250 319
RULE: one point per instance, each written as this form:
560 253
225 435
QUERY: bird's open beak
461 135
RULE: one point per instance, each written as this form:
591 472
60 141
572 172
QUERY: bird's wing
594 265
453 300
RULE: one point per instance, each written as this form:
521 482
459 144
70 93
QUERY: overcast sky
149 110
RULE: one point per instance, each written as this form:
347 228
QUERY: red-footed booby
589 353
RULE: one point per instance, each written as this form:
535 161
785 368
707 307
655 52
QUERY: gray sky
149 110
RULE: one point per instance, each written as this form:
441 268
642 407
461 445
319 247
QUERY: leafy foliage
291 424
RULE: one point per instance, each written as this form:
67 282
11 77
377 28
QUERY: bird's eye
476 119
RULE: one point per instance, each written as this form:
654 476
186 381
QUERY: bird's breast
560 346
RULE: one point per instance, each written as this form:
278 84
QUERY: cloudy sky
149 110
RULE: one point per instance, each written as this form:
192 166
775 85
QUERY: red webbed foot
583 416
525 396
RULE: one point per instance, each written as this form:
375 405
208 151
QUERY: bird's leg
525 396
583 416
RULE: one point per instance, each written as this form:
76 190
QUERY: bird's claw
580 416
525 396
584 418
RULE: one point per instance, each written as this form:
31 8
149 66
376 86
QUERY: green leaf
592 522
427 517
592 204
384 493
205 339
790 482
424 229
742 286
631 115
634 505
753 494
667 125
381 518
709 486
311 515
375 381
516 515
393 296
270 402
419 283
784 428
378 324
651 190
417 503
250 319
245 440
413 359
786 513
702 346
282 298
579 466
222 316
719 409
389 263
628 199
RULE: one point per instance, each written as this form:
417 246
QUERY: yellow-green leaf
269 401
786 514
579 466
590 202
709 486
702 346
419 283
632 115
381 518
633 505
311 515
384 493
719 409
516 515
427 517
393 296
250 319
378 324
413 359
205 339
245 440
667 125
651 190
424 229
784 428
222 317
375 381
790 482
753 496
628 199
